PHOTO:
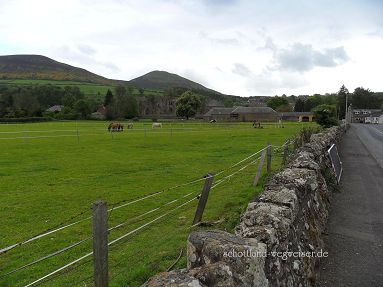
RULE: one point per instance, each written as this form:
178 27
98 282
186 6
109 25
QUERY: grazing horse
213 121
130 126
115 127
156 125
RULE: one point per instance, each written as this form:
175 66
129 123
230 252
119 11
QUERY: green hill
163 80
40 68
36 67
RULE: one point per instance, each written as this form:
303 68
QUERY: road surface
354 235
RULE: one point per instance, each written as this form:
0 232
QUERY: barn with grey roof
242 114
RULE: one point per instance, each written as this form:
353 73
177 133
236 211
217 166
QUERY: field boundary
238 166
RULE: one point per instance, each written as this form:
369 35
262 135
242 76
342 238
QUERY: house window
365 113
357 113
234 115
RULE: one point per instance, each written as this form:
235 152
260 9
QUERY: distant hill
163 80
36 67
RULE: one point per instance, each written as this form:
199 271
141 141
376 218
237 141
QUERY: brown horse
115 127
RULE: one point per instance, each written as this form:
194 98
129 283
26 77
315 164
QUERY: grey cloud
303 58
194 76
80 57
85 49
267 82
241 70
269 45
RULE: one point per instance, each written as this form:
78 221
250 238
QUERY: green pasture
51 173
89 89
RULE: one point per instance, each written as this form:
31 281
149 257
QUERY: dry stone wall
278 241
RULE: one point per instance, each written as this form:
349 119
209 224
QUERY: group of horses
115 127
118 127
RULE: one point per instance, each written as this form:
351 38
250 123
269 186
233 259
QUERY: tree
284 108
276 101
123 105
108 98
130 90
312 102
325 115
71 95
342 94
131 107
228 103
188 104
120 91
82 108
365 99
299 105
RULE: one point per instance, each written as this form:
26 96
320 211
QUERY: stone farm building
242 114
297 116
366 116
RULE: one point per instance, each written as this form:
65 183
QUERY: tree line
361 98
24 101
18 101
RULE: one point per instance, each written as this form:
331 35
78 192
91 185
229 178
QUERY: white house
381 119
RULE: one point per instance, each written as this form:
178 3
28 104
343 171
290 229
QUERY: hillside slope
36 67
162 80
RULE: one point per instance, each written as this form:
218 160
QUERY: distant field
49 176
89 89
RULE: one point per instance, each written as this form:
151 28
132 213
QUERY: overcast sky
241 47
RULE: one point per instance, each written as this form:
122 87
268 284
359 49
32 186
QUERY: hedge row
25 120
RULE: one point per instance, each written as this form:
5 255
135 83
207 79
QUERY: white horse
156 125
130 126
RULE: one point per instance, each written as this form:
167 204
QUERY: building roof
296 114
219 111
214 103
253 110
55 108
376 114
240 110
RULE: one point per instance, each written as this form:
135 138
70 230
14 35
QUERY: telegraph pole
346 110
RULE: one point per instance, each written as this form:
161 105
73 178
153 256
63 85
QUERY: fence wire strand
220 181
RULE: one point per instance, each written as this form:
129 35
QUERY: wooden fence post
100 243
259 170
78 139
78 136
269 155
25 137
203 199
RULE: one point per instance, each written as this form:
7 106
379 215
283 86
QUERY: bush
325 115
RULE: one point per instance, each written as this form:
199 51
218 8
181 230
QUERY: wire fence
147 218
72 129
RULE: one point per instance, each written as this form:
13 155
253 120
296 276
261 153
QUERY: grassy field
89 89
50 176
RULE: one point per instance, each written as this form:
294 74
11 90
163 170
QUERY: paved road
354 236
